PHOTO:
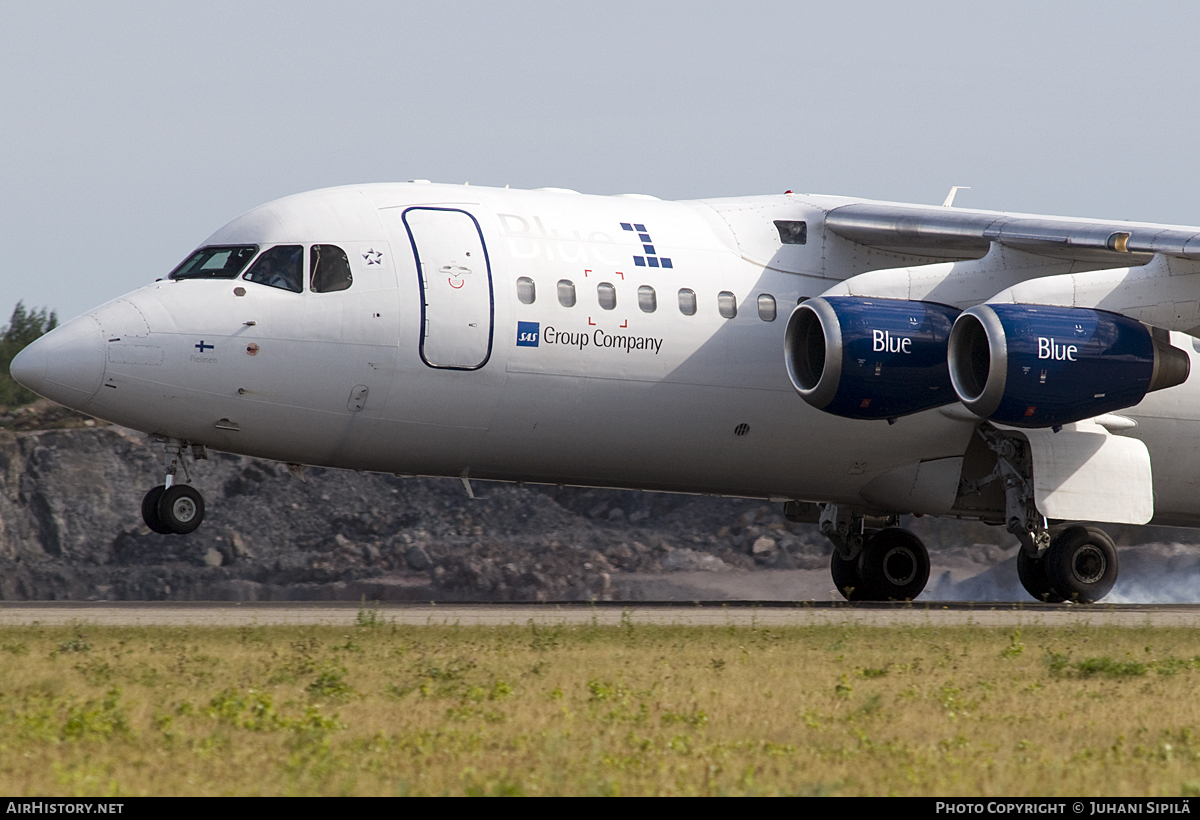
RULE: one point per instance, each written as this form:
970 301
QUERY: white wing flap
1085 473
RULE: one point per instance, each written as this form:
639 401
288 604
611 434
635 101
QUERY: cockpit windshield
223 262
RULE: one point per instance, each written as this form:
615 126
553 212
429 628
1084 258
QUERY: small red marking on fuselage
590 322
456 287
625 323
586 271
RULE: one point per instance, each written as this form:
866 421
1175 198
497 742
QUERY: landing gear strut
888 564
170 507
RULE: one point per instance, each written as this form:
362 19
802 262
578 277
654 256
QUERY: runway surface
723 613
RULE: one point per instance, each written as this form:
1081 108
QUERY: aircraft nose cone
29 366
66 365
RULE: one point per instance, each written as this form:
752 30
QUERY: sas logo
528 333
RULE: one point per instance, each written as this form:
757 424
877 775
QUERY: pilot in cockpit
279 267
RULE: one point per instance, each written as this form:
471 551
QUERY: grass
630 709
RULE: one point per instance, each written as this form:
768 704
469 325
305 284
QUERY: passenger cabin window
566 293
792 233
727 304
279 267
330 269
687 301
647 299
766 307
607 294
526 292
224 262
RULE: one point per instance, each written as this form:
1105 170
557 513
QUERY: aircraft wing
941 231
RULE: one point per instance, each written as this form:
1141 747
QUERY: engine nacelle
1042 365
864 358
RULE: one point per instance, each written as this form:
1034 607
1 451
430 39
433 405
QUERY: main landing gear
170 507
1079 564
873 564
1073 563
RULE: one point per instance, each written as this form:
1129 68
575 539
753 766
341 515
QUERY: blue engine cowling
1044 366
864 358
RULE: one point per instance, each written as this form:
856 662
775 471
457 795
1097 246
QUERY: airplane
855 360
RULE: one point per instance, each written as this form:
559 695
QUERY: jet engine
1043 366
864 358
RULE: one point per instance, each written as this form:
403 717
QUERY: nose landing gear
177 509
170 507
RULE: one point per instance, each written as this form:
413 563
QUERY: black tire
845 578
181 509
893 565
150 510
1032 572
1082 564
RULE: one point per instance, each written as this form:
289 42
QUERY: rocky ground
71 529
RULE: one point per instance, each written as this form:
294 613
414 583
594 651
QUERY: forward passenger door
455 278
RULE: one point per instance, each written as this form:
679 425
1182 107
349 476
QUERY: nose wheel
174 508
178 509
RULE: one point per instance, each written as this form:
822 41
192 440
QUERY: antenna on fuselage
949 203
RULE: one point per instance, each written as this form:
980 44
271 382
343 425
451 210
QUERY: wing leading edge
954 232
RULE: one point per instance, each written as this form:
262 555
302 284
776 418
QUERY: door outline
421 287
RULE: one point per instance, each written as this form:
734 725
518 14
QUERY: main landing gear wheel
845 577
1032 572
1081 564
893 566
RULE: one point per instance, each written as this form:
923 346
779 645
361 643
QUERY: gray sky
131 131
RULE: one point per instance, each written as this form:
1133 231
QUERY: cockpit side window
330 269
280 267
220 262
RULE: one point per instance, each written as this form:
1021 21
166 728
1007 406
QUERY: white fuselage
437 361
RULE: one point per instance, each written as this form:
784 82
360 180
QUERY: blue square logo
528 334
